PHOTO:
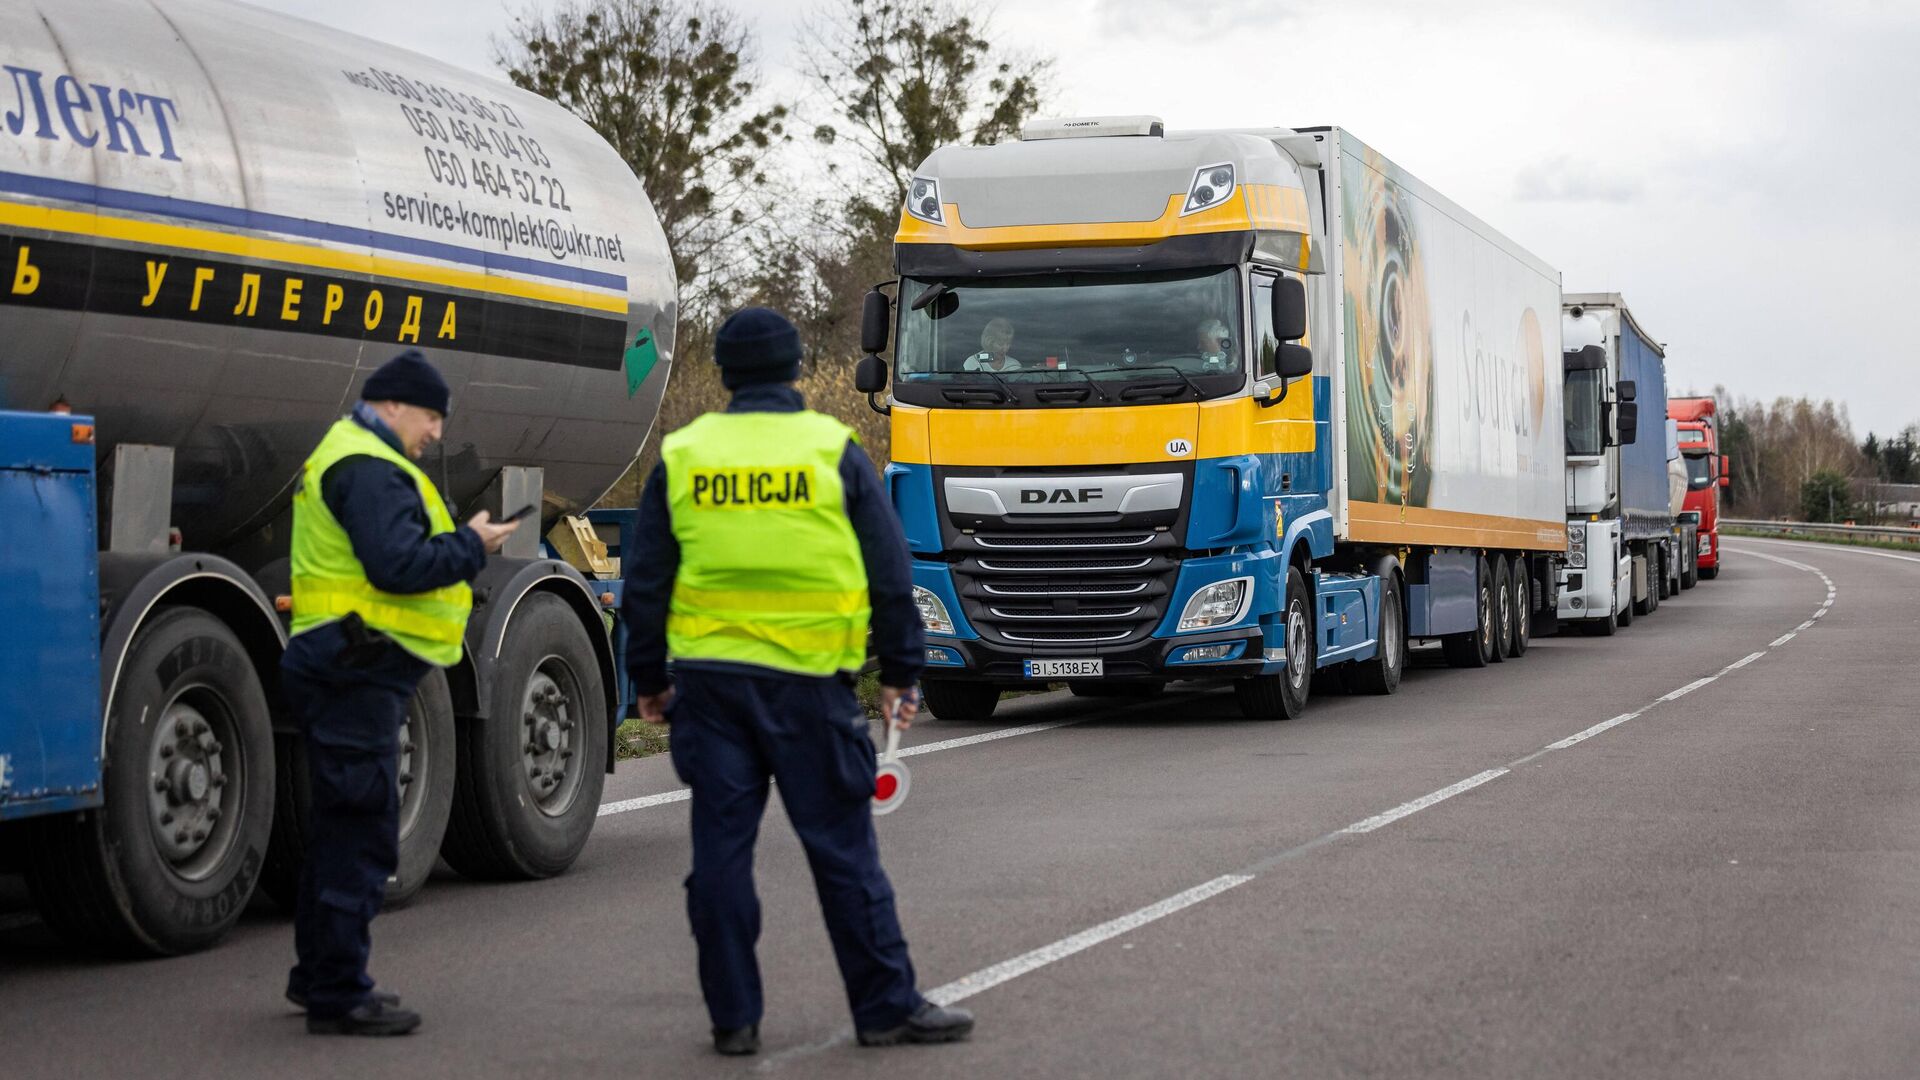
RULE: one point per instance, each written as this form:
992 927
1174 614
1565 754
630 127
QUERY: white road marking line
641 803
1782 640
1740 663
985 736
1583 736
1675 695
1407 809
624 806
989 977
1803 626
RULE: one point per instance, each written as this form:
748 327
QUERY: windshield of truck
1582 391
1699 471
1071 338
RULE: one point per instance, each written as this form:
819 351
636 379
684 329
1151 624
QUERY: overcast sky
1746 172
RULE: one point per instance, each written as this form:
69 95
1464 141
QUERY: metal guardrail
1906 534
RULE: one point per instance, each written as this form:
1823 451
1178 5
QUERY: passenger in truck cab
1215 345
995 339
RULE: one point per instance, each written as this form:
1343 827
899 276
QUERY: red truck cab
1707 473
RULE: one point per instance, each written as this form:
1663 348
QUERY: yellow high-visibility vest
770 570
328 580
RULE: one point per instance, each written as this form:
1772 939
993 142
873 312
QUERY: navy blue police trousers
731 734
350 721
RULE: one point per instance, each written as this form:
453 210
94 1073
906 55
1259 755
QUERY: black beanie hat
409 378
756 345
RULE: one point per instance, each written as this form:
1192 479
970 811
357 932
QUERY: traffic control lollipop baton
891 780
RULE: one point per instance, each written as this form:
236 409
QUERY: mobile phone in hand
516 515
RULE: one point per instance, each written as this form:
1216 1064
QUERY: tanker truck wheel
1284 696
1502 609
530 771
171 859
426 799
1474 648
964 702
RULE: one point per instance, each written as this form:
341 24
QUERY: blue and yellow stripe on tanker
102 226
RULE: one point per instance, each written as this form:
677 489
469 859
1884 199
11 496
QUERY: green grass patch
638 739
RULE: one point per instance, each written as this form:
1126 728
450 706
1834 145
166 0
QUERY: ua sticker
639 360
1179 448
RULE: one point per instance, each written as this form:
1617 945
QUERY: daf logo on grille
1029 496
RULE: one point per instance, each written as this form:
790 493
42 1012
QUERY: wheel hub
189 764
549 745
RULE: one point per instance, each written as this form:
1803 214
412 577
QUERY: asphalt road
1722 878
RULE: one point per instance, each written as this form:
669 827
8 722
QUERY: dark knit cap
409 378
757 345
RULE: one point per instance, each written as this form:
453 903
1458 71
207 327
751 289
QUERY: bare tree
670 84
905 77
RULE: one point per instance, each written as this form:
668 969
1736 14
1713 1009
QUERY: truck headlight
933 613
1211 186
1219 604
923 200
1577 548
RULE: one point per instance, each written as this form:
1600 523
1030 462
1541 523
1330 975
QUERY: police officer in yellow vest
380 593
766 547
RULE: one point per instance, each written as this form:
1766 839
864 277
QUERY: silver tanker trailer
216 222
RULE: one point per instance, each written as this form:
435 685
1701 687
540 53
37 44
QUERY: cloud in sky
1739 169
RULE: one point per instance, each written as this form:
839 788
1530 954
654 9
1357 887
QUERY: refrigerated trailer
1620 520
1256 406
214 223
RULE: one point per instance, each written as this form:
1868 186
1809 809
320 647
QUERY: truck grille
1064 590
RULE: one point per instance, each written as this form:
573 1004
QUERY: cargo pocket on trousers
854 761
883 918
350 783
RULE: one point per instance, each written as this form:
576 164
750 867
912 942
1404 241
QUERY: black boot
931 1024
367 1018
385 997
737 1042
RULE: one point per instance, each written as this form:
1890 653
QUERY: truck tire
1669 577
170 861
527 789
961 702
427 759
1690 569
1473 648
1625 617
1708 573
1502 608
1522 635
1381 675
1284 696
1652 602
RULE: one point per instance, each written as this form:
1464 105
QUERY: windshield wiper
1129 392
1091 381
1006 389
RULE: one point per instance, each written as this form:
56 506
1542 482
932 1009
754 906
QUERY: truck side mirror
1627 416
870 377
1628 392
875 314
1293 361
1289 309
1726 472
1586 358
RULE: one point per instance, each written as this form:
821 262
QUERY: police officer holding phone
766 546
380 594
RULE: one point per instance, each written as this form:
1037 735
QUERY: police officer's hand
907 698
653 707
492 535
